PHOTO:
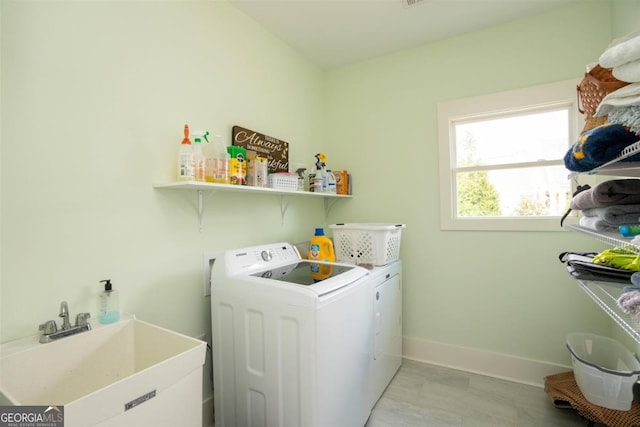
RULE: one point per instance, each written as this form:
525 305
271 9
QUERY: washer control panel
246 260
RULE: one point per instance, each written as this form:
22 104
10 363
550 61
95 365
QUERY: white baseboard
207 412
512 368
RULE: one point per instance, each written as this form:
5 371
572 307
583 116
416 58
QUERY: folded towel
598 146
616 215
596 223
608 193
623 97
629 72
629 302
621 51
627 116
635 284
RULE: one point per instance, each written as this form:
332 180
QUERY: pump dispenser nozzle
107 284
186 139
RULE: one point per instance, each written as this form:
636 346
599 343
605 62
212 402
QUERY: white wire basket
367 243
283 181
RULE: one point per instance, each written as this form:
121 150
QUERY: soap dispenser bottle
109 307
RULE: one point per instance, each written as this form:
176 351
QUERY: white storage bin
367 243
283 181
604 369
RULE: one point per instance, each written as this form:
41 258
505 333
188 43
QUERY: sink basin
127 373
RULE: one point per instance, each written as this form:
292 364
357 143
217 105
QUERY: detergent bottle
185 158
198 155
321 247
331 182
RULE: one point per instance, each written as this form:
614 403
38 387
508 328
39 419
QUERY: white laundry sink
127 373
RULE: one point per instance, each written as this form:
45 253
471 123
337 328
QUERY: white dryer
297 343
387 320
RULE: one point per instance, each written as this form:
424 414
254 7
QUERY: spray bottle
217 162
320 178
185 158
198 156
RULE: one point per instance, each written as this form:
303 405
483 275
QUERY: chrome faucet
51 331
64 313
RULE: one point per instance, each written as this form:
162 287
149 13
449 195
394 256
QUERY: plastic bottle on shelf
198 155
629 230
321 247
217 161
317 182
237 165
185 158
331 182
312 181
301 179
320 177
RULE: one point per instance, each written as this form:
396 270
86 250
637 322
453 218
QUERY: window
501 154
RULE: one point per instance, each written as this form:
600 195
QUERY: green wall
94 97
502 292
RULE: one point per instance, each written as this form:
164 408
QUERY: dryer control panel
245 260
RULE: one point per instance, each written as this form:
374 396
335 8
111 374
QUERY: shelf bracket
328 204
284 205
201 207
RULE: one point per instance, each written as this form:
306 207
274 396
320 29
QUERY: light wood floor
427 395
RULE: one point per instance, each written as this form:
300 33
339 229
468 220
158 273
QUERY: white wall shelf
606 294
617 168
211 188
610 238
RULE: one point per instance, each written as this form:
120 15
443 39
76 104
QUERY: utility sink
127 373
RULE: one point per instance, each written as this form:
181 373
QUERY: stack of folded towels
623 105
605 143
609 204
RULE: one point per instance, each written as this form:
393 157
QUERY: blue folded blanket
598 146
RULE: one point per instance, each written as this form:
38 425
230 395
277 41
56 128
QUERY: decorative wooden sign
275 150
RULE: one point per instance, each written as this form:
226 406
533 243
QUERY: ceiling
338 32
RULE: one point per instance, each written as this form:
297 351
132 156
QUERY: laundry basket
367 243
604 370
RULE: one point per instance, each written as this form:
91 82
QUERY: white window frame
559 94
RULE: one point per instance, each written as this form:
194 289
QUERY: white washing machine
294 342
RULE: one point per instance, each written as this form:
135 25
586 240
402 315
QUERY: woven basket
593 122
596 84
